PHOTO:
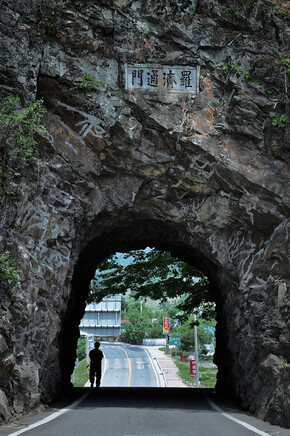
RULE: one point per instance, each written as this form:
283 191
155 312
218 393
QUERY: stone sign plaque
166 79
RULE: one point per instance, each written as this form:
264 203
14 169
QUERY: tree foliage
8 270
155 274
17 139
134 331
81 348
149 324
205 334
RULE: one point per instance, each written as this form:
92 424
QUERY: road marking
130 368
104 366
153 366
226 415
51 417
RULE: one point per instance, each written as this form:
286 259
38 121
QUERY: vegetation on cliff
8 270
17 140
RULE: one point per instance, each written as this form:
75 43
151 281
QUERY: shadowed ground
145 412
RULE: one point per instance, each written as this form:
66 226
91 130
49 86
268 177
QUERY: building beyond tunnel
104 318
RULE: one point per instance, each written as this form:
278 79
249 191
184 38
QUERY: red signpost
166 324
192 367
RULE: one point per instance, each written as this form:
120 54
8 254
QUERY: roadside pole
196 351
175 340
75 367
89 340
166 329
87 350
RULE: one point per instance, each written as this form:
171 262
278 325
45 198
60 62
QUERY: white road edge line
51 417
238 421
105 366
153 366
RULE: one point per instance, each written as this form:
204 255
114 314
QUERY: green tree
124 304
134 332
149 323
155 274
205 334
81 348
141 323
155 330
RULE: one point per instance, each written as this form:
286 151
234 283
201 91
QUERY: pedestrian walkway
167 366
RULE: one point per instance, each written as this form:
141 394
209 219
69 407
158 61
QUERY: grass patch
165 350
81 374
207 376
183 370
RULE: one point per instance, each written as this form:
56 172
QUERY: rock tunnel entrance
240 356
124 240
138 234
203 174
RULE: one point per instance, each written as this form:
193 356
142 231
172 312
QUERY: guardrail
162 373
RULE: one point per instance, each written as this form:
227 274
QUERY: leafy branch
8 270
88 83
286 63
244 73
154 274
282 119
53 18
17 138
238 12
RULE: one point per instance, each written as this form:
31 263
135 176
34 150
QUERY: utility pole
87 349
196 350
89 339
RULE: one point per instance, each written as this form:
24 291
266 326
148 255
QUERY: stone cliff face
202 174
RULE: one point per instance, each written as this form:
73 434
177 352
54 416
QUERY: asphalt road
127 365
139 411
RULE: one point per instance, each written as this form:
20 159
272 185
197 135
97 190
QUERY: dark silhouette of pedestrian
96 357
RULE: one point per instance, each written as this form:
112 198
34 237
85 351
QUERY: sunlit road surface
130 403
127 365
142 412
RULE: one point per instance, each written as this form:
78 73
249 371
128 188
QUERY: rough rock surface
204 176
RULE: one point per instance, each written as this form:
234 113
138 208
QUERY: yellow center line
130 369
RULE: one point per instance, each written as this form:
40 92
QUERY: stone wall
205 176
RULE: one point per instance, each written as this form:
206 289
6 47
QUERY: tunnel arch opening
130 296
125 237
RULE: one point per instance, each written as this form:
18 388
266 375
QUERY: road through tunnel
124 239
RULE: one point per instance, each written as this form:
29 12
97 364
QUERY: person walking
96 357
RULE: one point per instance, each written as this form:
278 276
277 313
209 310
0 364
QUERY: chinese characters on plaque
165 78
